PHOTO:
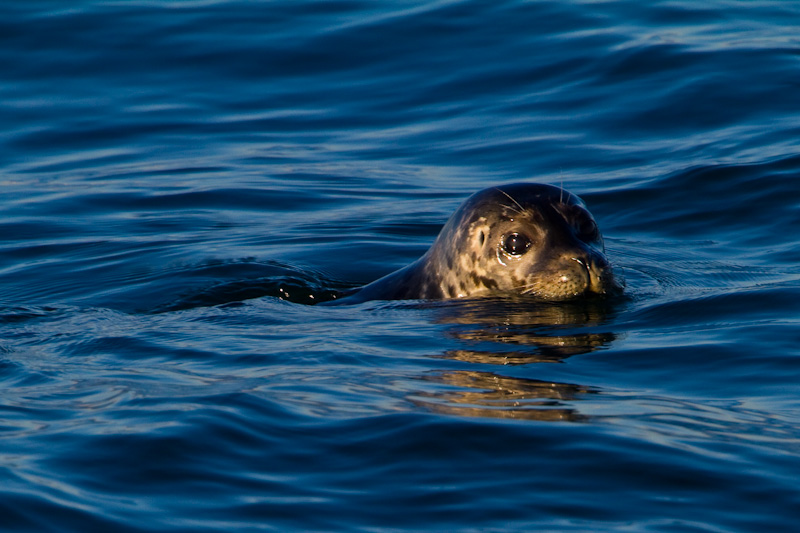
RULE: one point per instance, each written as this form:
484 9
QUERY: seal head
523 238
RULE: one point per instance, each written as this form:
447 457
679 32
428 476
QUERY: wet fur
467 259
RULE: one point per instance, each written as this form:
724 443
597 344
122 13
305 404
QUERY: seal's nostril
581 262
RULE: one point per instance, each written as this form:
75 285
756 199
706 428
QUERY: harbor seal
518 239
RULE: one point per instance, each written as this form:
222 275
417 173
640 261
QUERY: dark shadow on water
222 283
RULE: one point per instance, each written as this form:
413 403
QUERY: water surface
181 179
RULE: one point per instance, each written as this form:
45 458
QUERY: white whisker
511 208
521 209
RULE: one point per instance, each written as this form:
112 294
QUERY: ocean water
181 180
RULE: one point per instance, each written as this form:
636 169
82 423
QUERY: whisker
526 288
511 208
521 209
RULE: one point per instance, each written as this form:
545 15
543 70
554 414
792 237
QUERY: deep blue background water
179 178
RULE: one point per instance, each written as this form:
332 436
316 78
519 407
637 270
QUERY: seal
517 239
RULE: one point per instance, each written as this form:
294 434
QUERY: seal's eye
586 228
516 243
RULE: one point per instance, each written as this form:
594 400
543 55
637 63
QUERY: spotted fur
565 259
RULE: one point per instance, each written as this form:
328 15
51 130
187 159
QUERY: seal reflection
486 394
514 332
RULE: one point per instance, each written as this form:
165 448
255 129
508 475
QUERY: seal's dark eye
516 243
587 228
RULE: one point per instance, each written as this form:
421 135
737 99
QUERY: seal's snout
592 275
597 274
575 273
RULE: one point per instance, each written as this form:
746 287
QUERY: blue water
180 179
